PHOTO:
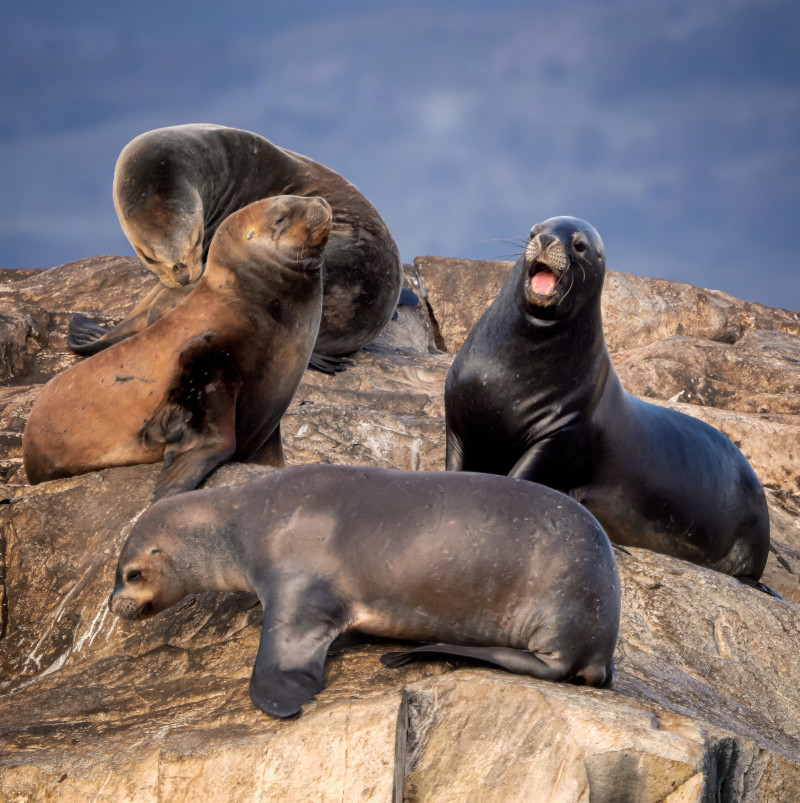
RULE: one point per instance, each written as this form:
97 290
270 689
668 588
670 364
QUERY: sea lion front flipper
197 424
530 465
454 452
326 364
302 617
87 337
271 453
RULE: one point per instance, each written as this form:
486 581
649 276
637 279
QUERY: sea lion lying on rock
505 572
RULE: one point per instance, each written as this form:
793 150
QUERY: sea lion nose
545 240
181 273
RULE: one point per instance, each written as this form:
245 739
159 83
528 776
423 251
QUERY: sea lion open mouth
543 281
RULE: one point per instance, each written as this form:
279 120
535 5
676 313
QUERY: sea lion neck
231 182
205 548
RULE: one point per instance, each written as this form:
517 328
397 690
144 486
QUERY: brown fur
211 379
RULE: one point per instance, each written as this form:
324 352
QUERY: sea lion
507 572
174 186
211 379
533 394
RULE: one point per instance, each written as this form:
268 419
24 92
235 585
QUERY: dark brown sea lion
211 379
533 394
506 572
174 186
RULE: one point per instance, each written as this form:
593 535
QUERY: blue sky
672 126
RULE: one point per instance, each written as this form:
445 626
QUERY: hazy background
672 126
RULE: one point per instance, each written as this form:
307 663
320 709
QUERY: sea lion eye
580 246
281 219
155 550
133 576
149 261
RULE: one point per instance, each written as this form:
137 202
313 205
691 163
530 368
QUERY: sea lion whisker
569 289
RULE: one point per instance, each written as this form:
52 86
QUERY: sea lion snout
318 220
548 250
124 607
181 273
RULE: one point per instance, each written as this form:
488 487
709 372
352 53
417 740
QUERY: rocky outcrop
705 704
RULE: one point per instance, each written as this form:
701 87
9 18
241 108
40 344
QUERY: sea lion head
147 580
167 231
565 264
287 230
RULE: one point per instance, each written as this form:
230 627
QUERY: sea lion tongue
543 282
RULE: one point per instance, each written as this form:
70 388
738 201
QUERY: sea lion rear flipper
520 662
408 298
326 364
302 617
759 586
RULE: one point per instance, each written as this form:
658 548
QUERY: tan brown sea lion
533 394
504 571
210 380
174 186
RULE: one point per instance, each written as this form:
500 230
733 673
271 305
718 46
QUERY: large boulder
705 704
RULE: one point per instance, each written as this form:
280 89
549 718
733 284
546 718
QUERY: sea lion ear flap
300 622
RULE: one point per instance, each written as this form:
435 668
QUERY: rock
758 374
636 311
705 703
457 291
639 311
36 307
23 333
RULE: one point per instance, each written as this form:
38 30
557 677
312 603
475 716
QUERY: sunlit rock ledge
706 703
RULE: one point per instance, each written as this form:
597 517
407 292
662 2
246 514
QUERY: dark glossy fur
533 394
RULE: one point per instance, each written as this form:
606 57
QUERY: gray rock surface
705 706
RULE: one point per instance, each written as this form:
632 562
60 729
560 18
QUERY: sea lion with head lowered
210 380
533 394
505 572
174 186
